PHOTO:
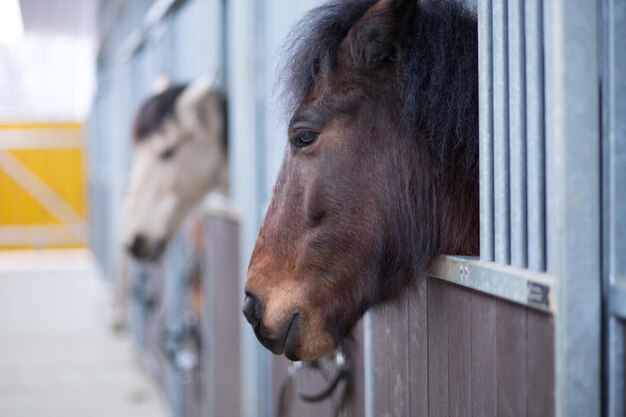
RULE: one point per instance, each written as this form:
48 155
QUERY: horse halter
292 387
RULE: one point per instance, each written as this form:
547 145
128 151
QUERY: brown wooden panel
483 355
398 352
438 405
511 335
401 355
418 350
468 354
540 363
459 356
221 317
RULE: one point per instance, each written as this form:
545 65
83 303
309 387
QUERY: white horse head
179 156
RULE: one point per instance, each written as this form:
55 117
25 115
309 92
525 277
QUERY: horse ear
195 92
161 83
371 40
192 98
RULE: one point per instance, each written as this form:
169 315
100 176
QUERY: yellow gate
42 186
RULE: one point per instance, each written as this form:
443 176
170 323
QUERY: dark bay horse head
380 172
179 156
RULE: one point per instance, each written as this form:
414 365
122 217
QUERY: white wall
46 78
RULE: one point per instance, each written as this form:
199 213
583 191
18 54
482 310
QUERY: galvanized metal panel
485 80
573 158
621 388
517 132
521 286
616 130
194 20
502 232
242 124
616 367
535 141
369 355
614 94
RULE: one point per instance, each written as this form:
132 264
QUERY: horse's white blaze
162 191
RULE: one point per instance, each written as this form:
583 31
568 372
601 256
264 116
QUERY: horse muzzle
142 249
285 340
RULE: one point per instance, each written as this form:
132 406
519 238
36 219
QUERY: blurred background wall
47 64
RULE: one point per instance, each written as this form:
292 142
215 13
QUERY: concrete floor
58 355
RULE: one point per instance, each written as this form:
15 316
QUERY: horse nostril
138 246
252 309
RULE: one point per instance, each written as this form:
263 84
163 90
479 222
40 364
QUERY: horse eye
168 153
304 138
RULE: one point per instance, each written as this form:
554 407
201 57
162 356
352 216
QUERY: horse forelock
154 111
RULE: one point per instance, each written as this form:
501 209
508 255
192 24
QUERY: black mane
155 110
437 70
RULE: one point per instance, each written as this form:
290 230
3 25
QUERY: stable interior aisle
59 356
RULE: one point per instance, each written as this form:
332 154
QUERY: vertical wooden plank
418 350
398 353
511 341
484 355
222 289
437 349
459 357
540 364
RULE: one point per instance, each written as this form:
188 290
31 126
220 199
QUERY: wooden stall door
220 321
451 351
